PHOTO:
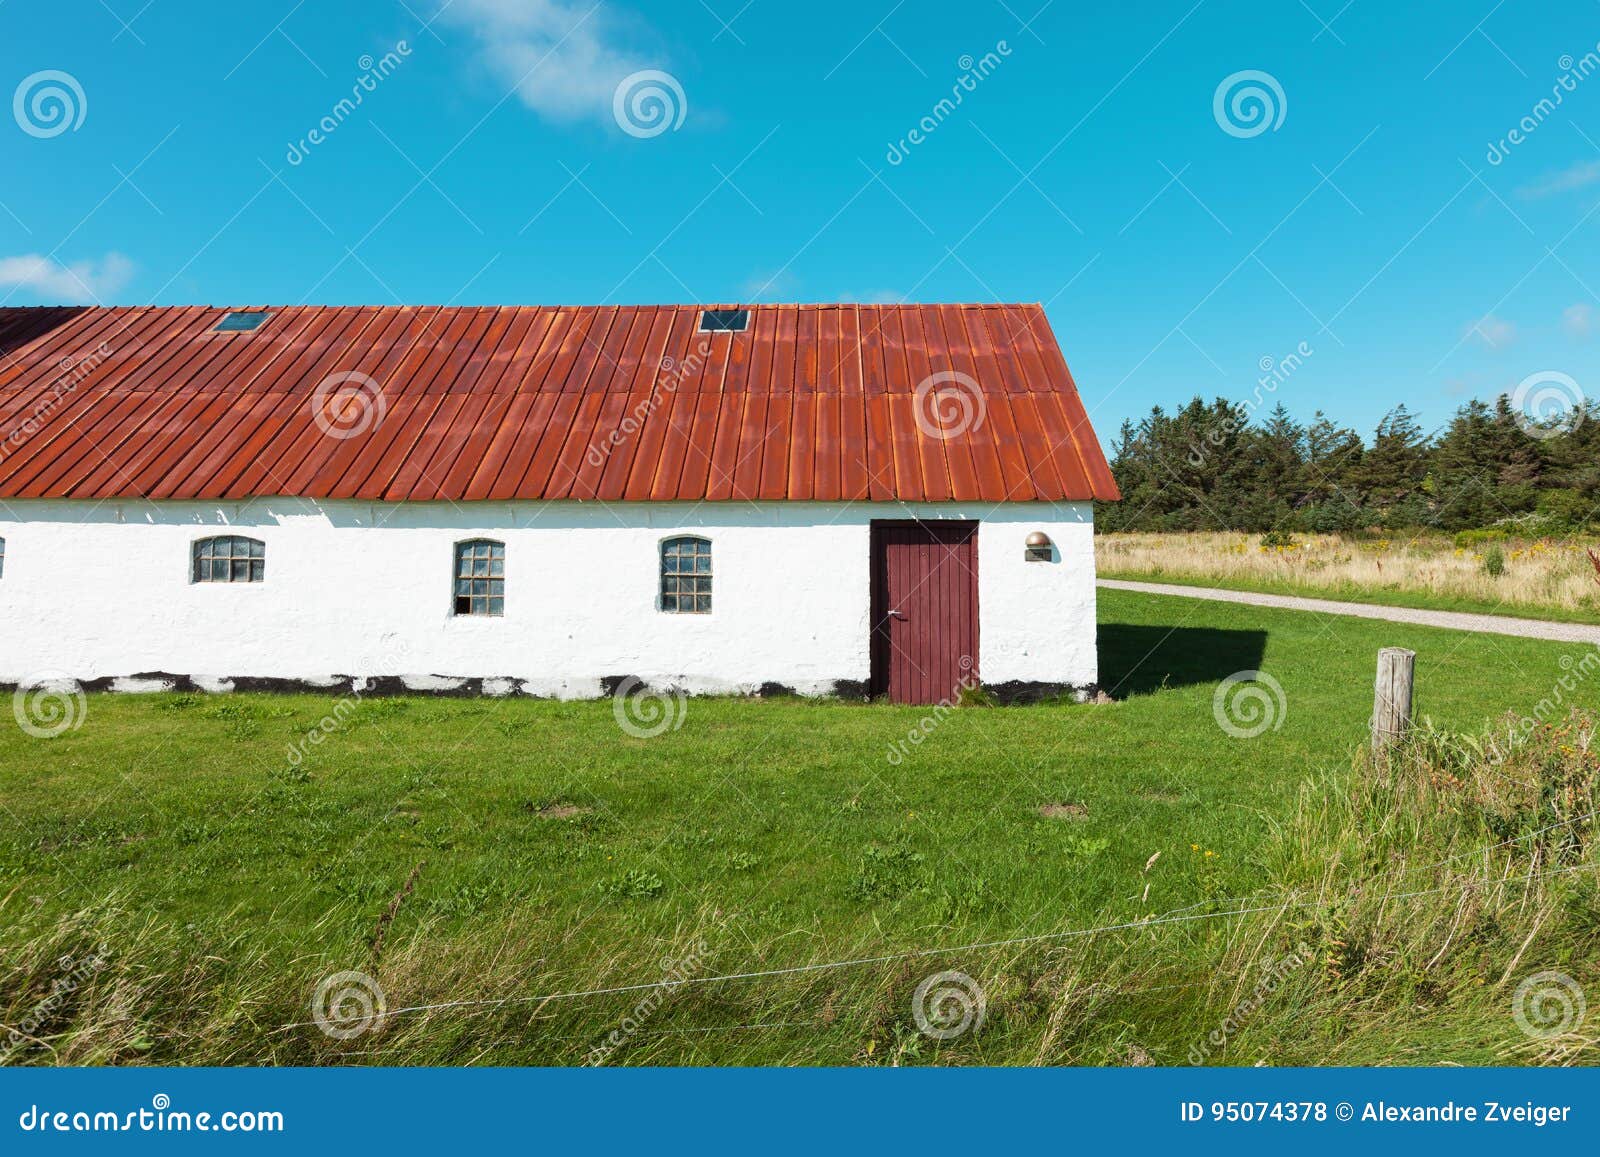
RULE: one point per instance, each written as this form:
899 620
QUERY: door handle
896 615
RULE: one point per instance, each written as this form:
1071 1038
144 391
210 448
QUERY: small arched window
480 577
230 558
686 576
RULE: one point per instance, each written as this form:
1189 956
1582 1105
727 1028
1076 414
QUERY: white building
826 499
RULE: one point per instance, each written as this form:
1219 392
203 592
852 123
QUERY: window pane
257 571
685 575
478 580
258 550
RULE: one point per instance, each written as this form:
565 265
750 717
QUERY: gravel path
1454 620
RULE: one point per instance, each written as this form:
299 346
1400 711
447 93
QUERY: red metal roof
616 403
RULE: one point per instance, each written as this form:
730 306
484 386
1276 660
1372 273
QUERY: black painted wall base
1013 692
375 686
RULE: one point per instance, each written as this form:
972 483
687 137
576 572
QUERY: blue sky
1086 166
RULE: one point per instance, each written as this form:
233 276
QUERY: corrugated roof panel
813 402
725 448
775 448
752 444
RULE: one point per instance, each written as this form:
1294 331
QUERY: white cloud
769 286
1578 176
81 281
1578 320
560 55
1492 331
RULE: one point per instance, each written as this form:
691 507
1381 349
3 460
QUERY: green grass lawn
547 851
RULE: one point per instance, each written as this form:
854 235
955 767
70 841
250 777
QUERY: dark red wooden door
924 610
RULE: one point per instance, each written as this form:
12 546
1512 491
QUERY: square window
229 558
241 321
724 320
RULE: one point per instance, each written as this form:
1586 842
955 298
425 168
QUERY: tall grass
1413 894
1539 575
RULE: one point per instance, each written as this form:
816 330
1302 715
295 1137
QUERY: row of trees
1210 467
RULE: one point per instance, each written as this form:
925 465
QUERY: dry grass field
1545 578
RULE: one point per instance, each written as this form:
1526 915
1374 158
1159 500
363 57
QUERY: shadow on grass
1135 660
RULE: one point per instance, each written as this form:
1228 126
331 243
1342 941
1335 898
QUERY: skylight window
724 320
241 321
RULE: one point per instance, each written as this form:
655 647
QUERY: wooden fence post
1391 699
